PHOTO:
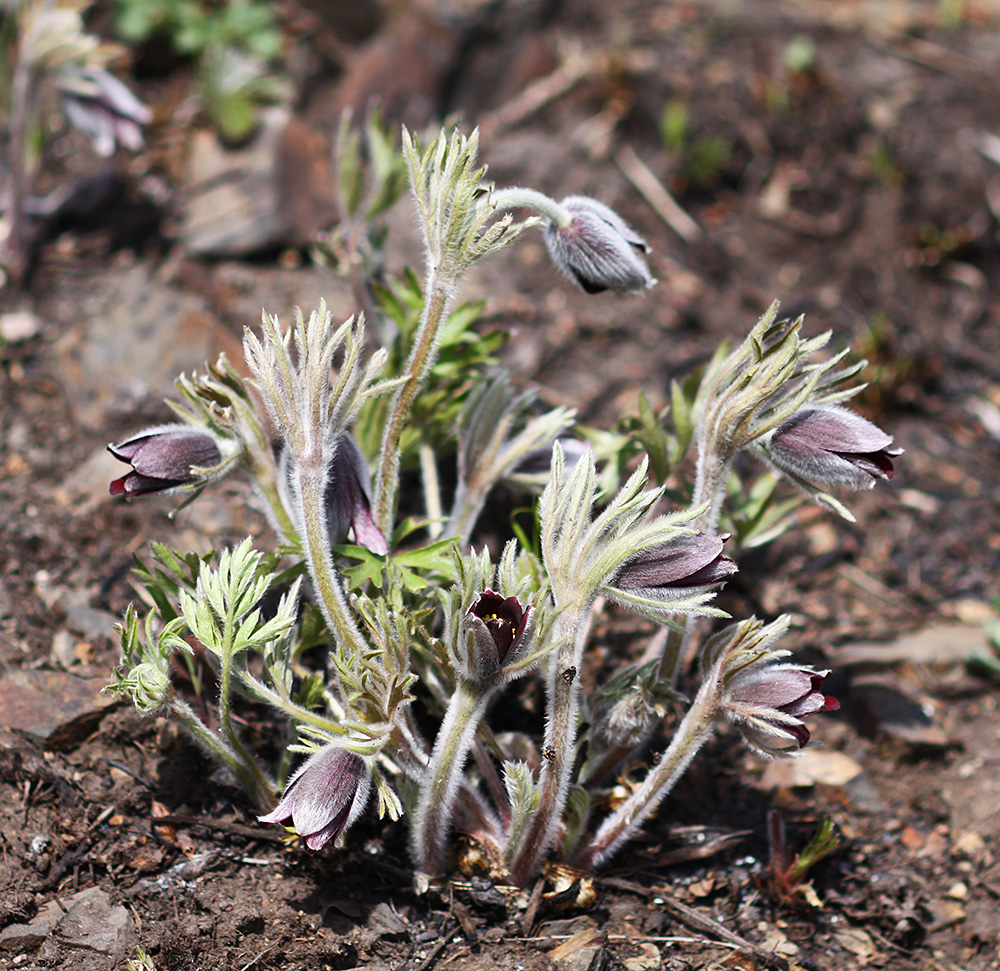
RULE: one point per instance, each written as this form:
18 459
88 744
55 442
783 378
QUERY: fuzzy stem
311 480
693 732
439 296
432 491
709 490
519 198
467 506
24 87
263 468
250 774
559 750
442 780
243 767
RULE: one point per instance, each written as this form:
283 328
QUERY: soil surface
839 156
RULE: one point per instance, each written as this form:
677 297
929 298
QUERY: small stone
811 767
648 958
274 192
958 891
970 845
582 952
19 325
384 922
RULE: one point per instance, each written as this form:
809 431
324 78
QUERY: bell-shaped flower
166 458
598 249
348 503
686 568
102 108
767 703
494 634
324 797
826 446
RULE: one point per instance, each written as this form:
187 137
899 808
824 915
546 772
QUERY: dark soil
854 190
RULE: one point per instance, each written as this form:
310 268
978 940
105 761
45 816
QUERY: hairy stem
249 773
709 490
24 87
245 769
559 749
432 491
438 299
442 780
518 198
311 489
695 729
465 511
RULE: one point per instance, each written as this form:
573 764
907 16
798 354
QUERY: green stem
443 777
693 732
709 490
245 769
24 87
519 198
251 774
432 491
467 506
559 749
439 296
263 467
311 479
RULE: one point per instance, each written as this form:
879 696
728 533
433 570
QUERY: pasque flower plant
423 639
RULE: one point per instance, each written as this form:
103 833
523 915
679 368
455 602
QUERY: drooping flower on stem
688 568
767 703
597 249
324 797
682 564
103 109
828 446
165 459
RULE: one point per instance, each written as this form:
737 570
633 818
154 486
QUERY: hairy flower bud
165 459
494 632
348 505
767 703
324 797
103 109
598 249
827 446
674 569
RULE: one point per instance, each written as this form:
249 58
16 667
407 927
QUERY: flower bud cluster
445 626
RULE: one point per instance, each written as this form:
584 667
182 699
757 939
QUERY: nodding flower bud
348 505
675 569
767 703
598 249
494 632
324 797
103 109
165 459
826 446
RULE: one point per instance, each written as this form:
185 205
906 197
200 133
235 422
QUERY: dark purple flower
499 629
347 502
324 797
674 569
348 505
826 445
162 459
767 702
598 249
